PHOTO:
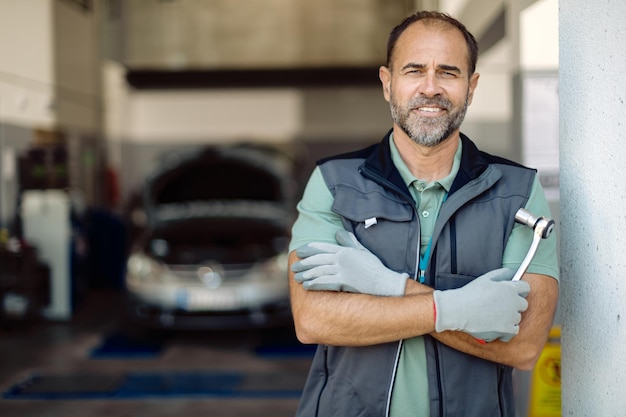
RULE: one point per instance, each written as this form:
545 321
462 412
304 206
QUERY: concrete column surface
592 64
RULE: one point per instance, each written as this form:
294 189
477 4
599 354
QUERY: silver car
213 253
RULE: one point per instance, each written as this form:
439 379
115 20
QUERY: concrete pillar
593 201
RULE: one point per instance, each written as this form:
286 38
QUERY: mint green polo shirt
316 222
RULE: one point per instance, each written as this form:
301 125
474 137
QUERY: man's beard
428 131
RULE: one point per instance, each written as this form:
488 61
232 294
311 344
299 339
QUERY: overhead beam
479 15
487 19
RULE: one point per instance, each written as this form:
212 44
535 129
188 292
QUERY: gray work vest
469 238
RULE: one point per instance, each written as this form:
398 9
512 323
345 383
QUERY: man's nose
430 85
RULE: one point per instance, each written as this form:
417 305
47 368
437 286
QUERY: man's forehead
433 35
431 27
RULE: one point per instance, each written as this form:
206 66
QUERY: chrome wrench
542 228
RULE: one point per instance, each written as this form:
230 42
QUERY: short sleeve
546 260
316 222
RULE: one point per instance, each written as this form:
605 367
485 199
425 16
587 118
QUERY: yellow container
545 388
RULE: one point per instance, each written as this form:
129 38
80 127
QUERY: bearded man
402 253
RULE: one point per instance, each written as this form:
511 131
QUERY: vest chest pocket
452 281
383 223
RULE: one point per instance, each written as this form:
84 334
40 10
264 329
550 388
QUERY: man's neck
427 163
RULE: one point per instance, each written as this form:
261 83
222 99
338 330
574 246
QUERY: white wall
207 116
27 65
48 70
593 220
539 36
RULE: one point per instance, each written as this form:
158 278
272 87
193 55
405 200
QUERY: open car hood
220 181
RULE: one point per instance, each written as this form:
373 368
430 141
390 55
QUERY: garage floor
99 365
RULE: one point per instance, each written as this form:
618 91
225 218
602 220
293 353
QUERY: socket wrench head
540 225
544 227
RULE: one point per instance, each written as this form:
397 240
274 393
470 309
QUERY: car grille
190 275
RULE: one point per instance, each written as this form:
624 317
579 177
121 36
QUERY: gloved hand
487 308
348 267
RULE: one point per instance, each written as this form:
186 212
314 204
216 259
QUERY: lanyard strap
424 261
423 264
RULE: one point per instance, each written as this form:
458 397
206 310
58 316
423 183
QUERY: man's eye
448 74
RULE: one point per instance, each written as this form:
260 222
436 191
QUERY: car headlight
276 268
143 267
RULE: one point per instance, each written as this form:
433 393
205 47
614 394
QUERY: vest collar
473 164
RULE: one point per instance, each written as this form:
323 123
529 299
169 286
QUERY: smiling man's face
427 84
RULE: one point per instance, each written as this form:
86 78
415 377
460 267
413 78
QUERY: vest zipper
401 342
393 378
500 389
439 385
416 274
453 261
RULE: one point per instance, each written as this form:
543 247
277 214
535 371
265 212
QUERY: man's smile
430 110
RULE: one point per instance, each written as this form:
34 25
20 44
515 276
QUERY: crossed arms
336 317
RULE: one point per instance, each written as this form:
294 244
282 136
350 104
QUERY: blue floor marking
154 384
121 346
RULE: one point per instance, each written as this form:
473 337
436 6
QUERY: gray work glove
487 308
348 267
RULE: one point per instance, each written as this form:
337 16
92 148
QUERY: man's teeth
430 109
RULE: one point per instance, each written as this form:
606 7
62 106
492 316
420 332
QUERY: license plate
207 300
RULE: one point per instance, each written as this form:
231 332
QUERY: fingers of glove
523 288
491 336
503 329
522 305
504 276
486 336
505 295
495 308
507 338
347 239
314 273
312 261
490 287
507 308
316 248
354 260
326 283
307 250
361 260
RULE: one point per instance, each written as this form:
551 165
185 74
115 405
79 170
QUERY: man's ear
473 83
385 78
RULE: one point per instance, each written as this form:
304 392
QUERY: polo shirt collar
409 178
